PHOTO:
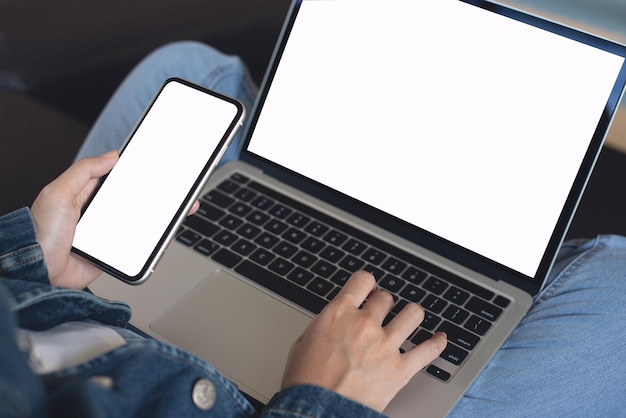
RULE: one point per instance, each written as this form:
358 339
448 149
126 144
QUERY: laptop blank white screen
465 123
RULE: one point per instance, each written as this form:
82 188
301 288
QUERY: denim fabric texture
144 377
20 255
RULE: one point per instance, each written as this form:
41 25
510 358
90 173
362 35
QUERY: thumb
80 174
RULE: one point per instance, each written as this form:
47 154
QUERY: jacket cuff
315 401
21 256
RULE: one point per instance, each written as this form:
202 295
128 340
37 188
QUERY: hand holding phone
140 204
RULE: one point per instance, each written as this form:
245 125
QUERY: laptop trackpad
243 332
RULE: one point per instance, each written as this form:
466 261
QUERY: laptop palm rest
244 333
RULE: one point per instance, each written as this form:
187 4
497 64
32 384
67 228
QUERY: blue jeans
191 61
564 358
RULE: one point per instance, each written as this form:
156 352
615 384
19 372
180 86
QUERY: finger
194 208
404 323
78 176
357 288
423 354
378 304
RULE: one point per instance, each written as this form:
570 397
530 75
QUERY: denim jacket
143 377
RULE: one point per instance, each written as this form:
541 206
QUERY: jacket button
204 394
103 381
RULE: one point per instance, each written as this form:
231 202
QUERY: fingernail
110 154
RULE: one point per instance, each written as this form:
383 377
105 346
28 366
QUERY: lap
561 359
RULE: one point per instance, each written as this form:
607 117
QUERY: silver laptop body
447 137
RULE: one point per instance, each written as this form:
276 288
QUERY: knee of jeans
203 65
188 48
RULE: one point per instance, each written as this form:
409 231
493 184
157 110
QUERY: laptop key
374 256
248 231
340 277
435 285
312 245
201 226
459 336
258 218
414 275
354 247
413 293
320 286
243 247
304 259
240 209
478 325
228 186
219 199
484 309
239 178
266 240
286 250
394 266
434 304
455 314
262 203
281 286
300 276
298 220
335 237
261 256
316 228
351 263
206 247
227 258
281 266
430 321
294 236
245 194
210 211
323 268
391 283
188 237
501 301
231 222
456 295
421 336
438 373
276 227
454 354
332 254
226 238
280 211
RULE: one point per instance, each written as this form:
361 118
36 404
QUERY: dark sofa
60 62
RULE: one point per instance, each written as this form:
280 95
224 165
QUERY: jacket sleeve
313 401
20 254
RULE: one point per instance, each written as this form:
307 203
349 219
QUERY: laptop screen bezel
419 236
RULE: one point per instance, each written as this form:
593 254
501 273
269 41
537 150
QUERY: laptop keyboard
307 256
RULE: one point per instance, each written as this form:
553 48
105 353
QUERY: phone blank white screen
156 171
465 123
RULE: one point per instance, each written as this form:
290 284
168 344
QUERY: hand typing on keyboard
346 349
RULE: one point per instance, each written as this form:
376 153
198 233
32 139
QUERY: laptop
442 145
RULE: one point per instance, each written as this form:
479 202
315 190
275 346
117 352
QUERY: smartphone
138 207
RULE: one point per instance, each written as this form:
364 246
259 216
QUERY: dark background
60 62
